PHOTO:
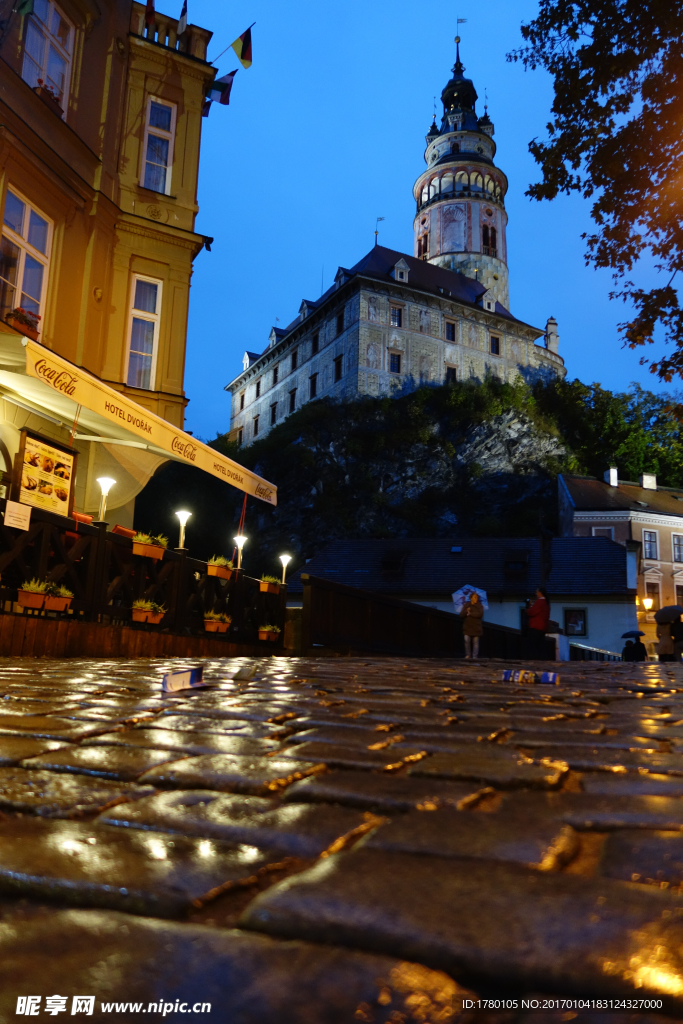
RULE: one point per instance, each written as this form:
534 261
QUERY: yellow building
100 127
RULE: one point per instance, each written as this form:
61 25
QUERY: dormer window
400 271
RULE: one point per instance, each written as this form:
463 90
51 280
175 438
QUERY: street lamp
106 483
647 603
183 517
285 559
239 541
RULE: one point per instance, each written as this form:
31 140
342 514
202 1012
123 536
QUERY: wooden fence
357 621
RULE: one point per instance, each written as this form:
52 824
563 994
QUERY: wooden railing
351 620
99 567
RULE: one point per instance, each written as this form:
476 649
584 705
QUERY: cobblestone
409 834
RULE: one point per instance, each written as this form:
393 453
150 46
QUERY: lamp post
106 483
285 559
239 541
183 517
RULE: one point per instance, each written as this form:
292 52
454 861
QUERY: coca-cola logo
263 492
60 380
185 448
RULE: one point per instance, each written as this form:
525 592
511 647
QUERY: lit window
678 548
158 146
394 362
396 318
338 368
451 375
24 253
652 591
47 50
649 544
292 400
495 346
144 333
450 331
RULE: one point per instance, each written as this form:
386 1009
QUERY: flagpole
228 47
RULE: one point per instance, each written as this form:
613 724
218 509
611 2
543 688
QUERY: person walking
665 646
677 637
639 651
472 627
628 652
538 617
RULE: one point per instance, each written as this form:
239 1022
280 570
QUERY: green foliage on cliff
473 457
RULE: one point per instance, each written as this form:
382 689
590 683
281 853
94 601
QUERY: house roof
499 565
590 495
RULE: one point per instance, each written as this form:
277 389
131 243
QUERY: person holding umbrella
665 618
636 651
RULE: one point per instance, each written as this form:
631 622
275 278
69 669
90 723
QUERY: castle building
394 321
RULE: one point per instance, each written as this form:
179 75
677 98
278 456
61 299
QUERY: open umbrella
462 596
669 613
632 634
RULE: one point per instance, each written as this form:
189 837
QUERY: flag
242 47
23 7
220 89
149 13
182 24
206 108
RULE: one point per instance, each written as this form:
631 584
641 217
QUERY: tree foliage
615 136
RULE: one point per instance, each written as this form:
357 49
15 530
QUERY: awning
59 387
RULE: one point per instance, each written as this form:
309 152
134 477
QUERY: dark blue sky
324 133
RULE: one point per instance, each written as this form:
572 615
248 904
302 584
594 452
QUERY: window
396 316
338 368
242 401
451 375
401 275
455 148
47 50
340 322
276 375
650 544
295 358
240 435
256 426
490 240
315 343
292 400
423 246
313 382
144 332
158 146
604 531
24 252
495 346
273 414
394 362
652 591
450 330
679 593
678 547
575 622
258 388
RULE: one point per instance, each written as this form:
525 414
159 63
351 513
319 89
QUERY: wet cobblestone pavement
339 840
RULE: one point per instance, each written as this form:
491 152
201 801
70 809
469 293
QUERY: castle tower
461 219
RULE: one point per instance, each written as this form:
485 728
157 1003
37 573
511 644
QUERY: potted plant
156 614
142 610
31 594
25 321
216 622
57 598
270 585
149 546
268 632
219 566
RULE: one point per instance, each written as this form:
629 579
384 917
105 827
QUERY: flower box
214 626
122 531
269 588
49 99
140 614
30 332
154 551
54 603
268 634
27 599
221 571
155 617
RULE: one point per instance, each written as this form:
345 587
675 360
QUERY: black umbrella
669 613
632 634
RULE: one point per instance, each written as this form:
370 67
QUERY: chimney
611 476
648 482
552 338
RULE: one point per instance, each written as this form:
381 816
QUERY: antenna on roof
376 228
486 101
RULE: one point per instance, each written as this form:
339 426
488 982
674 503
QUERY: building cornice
646 518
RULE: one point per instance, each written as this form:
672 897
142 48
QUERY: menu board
45 474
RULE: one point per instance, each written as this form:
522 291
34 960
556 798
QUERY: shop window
650 544
396 316
575 622
394 362
292 400
48 48
158 145
313 386
451 375
338 364
315 344
495 346
24 255
652 591
273 414
145 316
450 330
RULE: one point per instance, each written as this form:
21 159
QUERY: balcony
164 32
490 251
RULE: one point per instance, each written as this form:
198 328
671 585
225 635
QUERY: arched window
485 236
447 183
489 240
461 182
433 188
455 148
490 184
425 193
477 183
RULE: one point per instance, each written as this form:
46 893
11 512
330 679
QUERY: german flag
242 47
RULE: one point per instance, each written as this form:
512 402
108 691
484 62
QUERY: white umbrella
462 596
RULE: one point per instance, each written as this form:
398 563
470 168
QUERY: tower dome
461 221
